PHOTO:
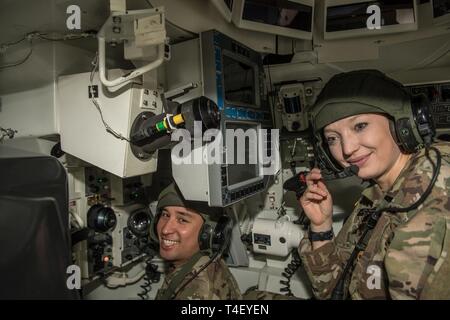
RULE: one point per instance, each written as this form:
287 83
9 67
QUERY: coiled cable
146 286
289 271
151 276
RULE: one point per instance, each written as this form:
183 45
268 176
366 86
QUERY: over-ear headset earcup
421 110
393 131
405 135
416 130
214 236
205 236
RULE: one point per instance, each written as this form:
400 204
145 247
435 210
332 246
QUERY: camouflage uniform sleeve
225 286
417 261
437 285
418 257
325 264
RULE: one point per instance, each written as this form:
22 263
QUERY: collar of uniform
371 195
173 270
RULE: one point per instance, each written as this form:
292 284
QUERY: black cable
147 286
214 256
436 169
97 105
8 44
35 34
60 39
81 235
71 36
15 64
151 270
289 271
338 291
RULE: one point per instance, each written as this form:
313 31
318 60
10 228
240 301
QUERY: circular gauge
101 218
139 222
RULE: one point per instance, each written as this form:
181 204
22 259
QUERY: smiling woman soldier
396 242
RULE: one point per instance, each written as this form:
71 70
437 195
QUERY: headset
213 237
411 124
415 131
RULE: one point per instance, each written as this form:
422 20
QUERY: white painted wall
29 112
28 90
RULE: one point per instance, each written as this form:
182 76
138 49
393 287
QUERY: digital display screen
240 172
261 239
239 82
281 13
441 7
354 16
292 105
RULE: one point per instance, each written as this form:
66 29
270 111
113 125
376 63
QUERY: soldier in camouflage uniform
191 273
407 254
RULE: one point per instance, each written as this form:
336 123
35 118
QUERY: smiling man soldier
188 239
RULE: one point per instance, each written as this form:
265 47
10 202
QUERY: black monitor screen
354 16
240 172
281 13
239 82
441 7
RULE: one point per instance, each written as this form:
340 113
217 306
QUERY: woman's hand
317 203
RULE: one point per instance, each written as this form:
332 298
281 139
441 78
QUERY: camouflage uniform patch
407 256
213 283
